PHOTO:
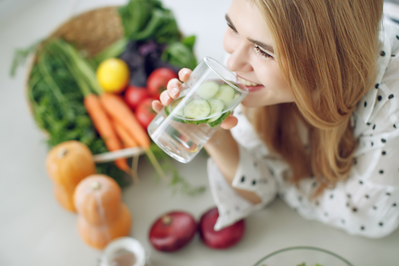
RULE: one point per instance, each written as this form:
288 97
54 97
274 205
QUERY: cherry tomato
145 113
158 79
135 95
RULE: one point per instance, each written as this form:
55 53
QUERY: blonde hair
327 50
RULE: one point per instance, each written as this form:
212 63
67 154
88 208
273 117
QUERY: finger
229 122
157 106
165 98
173 88
184 74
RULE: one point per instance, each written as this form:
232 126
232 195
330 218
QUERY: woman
319 125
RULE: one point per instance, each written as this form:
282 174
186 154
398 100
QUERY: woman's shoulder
389 35
381 102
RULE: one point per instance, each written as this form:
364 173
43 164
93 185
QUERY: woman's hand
173 91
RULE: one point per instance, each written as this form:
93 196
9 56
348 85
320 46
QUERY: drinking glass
207 98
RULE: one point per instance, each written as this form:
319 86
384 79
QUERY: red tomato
145 113
158 79
135 95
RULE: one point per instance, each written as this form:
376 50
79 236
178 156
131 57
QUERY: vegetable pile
104 101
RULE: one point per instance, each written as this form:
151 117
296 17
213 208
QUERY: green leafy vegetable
189 41
57 107
149 19
179 54
135 15
20 57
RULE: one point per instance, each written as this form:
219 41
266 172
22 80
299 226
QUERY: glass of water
206 99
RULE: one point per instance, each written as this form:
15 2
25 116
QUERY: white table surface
35 230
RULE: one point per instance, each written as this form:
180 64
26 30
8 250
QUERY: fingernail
164 97
175 91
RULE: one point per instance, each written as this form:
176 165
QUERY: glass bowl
303 256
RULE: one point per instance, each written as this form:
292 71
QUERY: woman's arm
221 147
224 151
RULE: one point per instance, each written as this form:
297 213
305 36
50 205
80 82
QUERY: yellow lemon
113 75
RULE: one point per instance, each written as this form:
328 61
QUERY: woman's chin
249 103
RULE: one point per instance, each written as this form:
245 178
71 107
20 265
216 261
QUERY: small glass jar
124 251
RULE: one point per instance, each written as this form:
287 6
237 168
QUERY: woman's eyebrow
266 47
230 23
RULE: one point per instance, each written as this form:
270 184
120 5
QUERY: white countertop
35 230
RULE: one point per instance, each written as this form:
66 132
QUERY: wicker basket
91 32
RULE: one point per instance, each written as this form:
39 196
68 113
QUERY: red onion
222 239
172 231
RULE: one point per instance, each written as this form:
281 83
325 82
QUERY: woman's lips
251 86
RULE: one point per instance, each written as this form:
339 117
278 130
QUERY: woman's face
249 43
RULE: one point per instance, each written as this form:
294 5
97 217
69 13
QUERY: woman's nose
239 59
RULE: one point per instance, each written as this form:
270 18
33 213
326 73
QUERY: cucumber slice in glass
173 105
225 94
219 120
197 109
168 109
217 107
207 89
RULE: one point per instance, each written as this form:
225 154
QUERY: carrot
121 113
128 142
104 127
127 138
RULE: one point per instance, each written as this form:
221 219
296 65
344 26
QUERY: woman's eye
261 53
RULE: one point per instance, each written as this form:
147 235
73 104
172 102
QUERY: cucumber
217 107
219 120
207 90
169 109
174 104
195 122
197 109
225 94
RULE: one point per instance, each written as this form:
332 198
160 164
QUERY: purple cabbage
143 58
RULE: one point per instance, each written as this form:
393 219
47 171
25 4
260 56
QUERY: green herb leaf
20 56
189 42
177 183
179 55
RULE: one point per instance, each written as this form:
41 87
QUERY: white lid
128 244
